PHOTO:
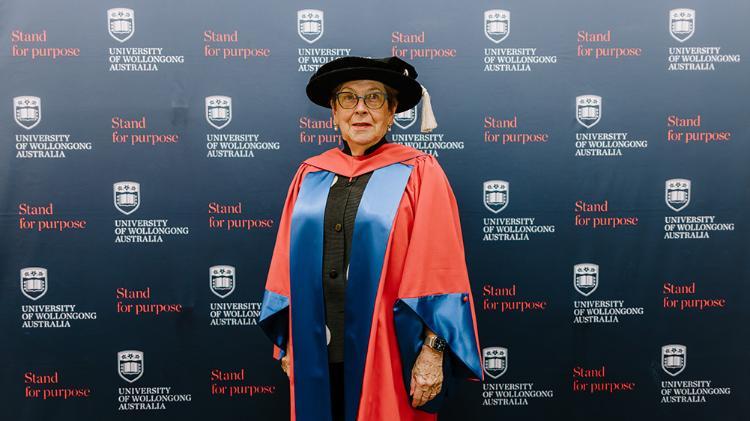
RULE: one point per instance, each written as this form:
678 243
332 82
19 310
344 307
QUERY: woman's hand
285 362
426 376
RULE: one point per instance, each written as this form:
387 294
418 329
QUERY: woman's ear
333 116
332 103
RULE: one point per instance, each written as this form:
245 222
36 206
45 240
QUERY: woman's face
361 126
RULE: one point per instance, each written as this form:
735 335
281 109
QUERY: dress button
333 273
337 227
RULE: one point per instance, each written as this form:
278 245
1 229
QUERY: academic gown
407 269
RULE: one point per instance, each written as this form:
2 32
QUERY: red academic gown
418 277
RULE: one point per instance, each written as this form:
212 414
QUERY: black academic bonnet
391 71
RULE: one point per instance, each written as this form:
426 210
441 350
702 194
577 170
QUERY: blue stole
372 228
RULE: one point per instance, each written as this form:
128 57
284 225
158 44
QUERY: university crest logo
33 282
677 193
585 278
310 24
405 119
218 111
681 24
121 23
495 361
27 111
588 110
130 365
673 359
127 196
221 279
496 25
496 195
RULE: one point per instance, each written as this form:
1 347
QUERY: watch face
437 343
440 343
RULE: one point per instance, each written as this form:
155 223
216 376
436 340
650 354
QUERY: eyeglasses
373 100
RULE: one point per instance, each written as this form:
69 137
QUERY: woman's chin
363 139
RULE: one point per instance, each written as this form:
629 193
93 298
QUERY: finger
411 385
425 397
430 397
422 398
417 399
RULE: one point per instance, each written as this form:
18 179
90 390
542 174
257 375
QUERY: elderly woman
367 299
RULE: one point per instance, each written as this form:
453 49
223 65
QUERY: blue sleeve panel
274 319
449 316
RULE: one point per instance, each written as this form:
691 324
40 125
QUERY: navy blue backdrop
597 151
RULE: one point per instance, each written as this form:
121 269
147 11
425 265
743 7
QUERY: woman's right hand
285 363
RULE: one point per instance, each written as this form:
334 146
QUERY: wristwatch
436 342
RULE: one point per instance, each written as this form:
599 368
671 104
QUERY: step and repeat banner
598 151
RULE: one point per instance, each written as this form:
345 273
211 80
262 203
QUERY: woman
392 317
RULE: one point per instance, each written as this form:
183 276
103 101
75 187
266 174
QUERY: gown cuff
449 316
274 320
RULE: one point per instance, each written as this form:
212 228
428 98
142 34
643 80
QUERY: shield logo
495 361
130 365
405 119
677 193
221 279
127 195
33 282
496 25
27 111
496 195
681 24
121 23
673 359
218 110
585 278
588 110
310 24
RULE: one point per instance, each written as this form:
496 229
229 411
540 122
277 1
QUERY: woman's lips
362 125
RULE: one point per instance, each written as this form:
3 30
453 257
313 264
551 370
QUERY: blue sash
372 228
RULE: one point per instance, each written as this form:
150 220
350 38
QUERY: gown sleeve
434 289
274 314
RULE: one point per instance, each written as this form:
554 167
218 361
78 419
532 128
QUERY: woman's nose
361 107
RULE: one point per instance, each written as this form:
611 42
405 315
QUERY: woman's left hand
426 376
